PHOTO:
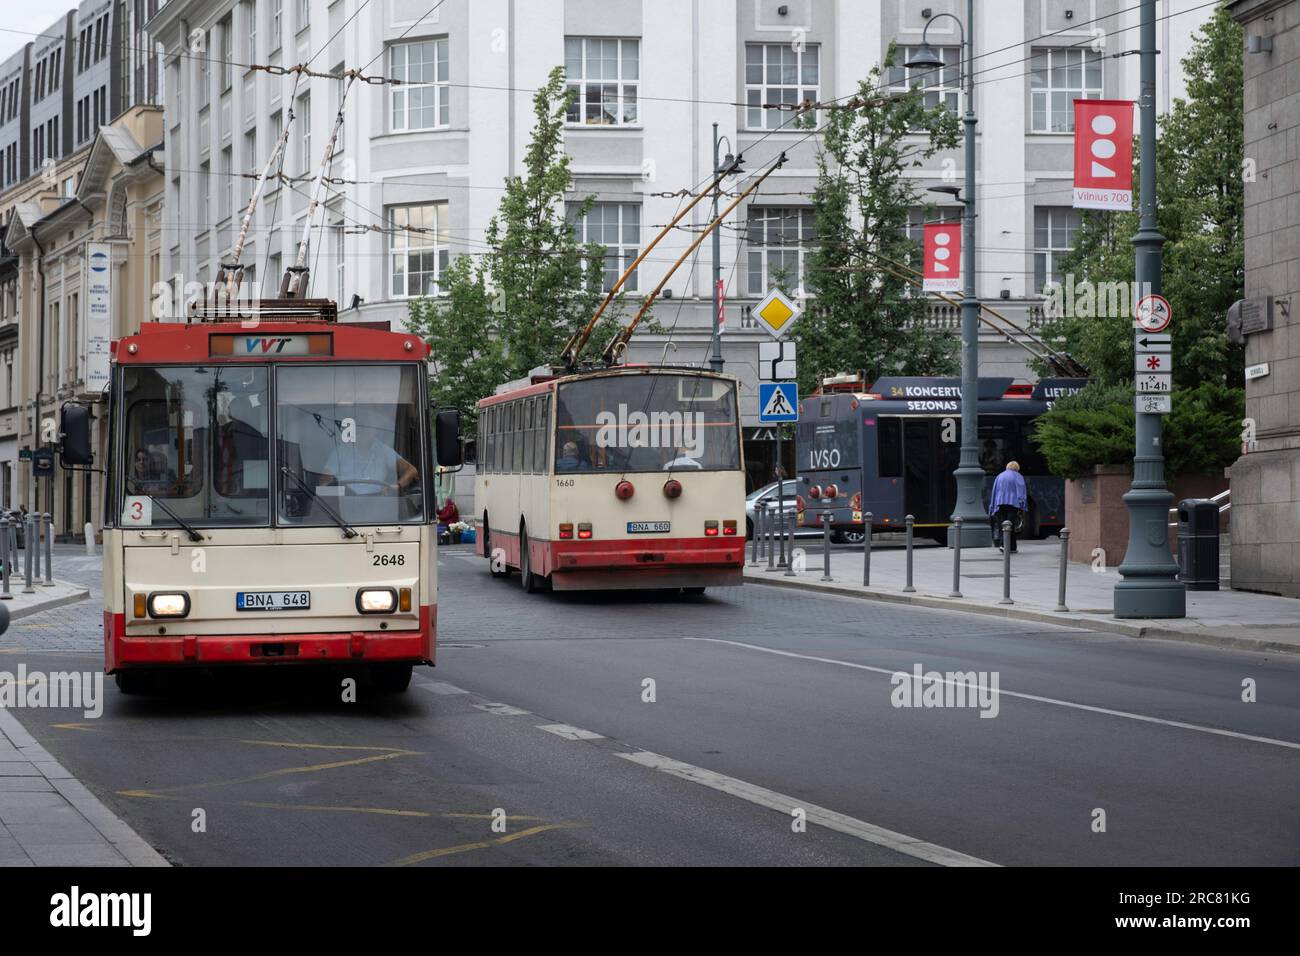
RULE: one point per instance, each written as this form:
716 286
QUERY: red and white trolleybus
625 477
268 495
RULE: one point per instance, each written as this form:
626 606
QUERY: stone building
1266 479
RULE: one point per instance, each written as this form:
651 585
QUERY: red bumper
206 650
626 563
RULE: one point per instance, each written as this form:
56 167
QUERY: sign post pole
1149 585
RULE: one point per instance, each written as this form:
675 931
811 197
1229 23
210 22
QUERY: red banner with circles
942 257
1103 154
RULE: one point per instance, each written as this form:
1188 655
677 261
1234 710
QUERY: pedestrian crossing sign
778 402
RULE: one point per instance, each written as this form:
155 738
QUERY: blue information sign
778 402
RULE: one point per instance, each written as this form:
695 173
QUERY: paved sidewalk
42 599
1223 618
47 818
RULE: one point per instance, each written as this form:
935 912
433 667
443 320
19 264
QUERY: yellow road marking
86 727
479 845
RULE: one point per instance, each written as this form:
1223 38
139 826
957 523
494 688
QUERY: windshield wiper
348 530
194 535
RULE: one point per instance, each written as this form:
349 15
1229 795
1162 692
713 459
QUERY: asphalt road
767 704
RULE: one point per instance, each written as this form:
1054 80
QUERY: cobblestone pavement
73 628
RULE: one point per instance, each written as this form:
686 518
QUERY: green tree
1200 193
515 307
863 316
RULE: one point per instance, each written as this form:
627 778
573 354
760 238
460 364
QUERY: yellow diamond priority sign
776 313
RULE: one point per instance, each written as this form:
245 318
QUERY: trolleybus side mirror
74 424
446 435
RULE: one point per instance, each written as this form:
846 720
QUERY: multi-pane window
422 99
1054 229
277 130
302 111
779 238
227 185
940 84
417 249
250 24
606 75
1058 77
617 227
205 192
226 64
340 262
277 24
776 73
340 90
304 14
250 164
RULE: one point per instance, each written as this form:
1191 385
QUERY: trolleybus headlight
377 600
168 604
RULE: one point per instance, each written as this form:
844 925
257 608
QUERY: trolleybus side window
543 433
529 439
889 447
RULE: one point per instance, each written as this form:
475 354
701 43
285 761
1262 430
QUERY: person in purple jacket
1009 497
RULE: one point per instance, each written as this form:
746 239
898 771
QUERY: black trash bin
1198 544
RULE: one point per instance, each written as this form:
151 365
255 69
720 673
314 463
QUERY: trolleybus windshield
641 423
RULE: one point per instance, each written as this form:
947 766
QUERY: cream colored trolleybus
269 499
626 477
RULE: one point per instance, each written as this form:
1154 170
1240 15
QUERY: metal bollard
29 547
826 546
782 531
755 537
908 587
1065 557
1006 564
866 550
770 531
89 531
956 560
5 594
49 550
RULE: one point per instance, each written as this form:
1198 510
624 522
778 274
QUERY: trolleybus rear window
631 423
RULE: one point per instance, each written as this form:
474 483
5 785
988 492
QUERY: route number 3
137 510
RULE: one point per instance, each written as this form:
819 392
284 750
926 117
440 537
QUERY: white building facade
654 75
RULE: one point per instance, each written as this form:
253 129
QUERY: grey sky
20 20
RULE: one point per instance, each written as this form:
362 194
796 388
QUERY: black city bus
891 450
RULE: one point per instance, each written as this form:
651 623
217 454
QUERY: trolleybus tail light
710 529
856 501
168 604
584 531
832 491
377 600
799 503
728 527
672 488
815 491
624 490
566 531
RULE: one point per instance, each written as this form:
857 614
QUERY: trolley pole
1149 585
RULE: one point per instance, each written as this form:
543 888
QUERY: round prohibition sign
1153 313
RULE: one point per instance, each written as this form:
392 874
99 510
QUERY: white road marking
839 822
1271 741
569 733
442 688
501 710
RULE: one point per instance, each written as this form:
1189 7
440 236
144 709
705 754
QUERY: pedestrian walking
1008 500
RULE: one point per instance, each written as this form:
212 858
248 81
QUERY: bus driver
366 464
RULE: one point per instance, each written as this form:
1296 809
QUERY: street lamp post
974 528
715 349
1149 585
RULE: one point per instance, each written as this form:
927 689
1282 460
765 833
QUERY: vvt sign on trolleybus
891 450
624 477
268 495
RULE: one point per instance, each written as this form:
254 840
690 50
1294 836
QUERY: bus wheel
390 678
135 682
497 572
531 583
